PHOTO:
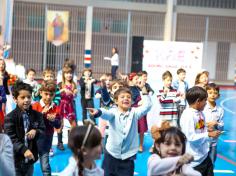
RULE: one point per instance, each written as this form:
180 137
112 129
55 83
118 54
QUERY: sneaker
60 146
51 153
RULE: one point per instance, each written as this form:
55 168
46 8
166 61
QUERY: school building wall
212 23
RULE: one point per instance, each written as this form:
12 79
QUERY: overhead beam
105 4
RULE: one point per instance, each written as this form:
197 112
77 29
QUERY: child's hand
166 90
214 134
212 123
45 109
92 111
51 117
185 159
29 155
31 134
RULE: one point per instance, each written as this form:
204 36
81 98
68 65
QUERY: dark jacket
14 128
82 88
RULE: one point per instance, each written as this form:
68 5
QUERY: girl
202 79
68 91
136 85
87 91
85 143
169 158
4 79
114 62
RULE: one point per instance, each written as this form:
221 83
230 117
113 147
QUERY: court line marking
230 141
224 107
224 171
226 159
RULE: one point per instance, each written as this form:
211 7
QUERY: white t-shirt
72 170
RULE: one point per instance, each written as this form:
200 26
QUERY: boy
181 86
30 76
51 119
122 143
214 116
169 100
24 125
193 125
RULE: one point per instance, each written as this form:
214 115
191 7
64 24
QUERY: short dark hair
122 90
180 70
166 74
195 93
213 86
29 70
20 86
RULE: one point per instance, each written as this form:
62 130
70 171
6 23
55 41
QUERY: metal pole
206 39
127 43
45 40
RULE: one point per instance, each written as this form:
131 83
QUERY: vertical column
2 20
170 20
88 37
235 74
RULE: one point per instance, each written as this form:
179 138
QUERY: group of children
185 143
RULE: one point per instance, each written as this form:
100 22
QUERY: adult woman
114 62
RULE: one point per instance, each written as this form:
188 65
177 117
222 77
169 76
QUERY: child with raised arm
193 125
122 143
169 157
214 116
24 125
52 119
85 144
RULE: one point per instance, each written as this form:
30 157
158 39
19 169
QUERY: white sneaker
51 153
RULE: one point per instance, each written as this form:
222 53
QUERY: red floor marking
226 159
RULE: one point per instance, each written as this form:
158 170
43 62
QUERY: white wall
209 58
232 62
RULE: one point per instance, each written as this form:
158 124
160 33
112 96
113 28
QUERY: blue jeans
113 71
212 153
44 163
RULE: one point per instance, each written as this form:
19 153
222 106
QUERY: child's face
87 73
23 100
167 82
108 81
115 87
31 76
171 147
203 79
93 153
182 76
48 77
212 95
2 65
144 78
201 104
68 76
47 97
123 101
135 80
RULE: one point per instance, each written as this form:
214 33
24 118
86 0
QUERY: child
3 100
214 116
181 86
144 76
87 91
122 143
51 115
48 74
30 75
85 144
7 167
24 125
202 79
68 90
169 157
193 125
169 100
114 62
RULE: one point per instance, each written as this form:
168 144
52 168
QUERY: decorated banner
160 56
57 27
